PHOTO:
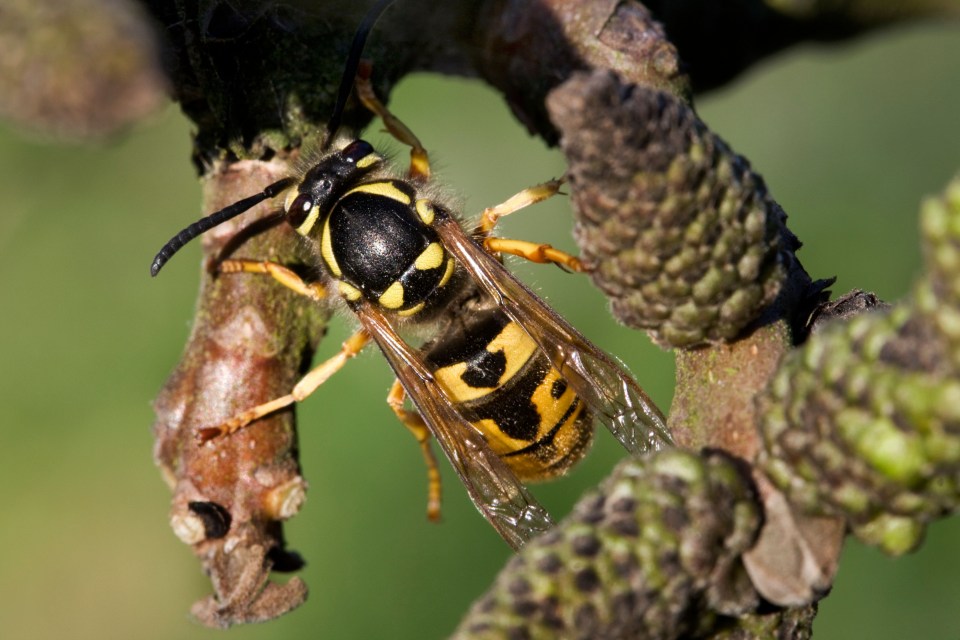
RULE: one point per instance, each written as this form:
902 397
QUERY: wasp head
326 181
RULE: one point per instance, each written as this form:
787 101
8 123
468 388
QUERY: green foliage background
849 139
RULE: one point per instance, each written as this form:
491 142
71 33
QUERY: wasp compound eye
299 209
356 151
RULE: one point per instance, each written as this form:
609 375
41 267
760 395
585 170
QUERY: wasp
507 387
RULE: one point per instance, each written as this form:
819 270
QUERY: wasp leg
307 385
280 273
527 197
540 253
419 160
414 422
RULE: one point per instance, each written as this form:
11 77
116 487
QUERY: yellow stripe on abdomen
516 348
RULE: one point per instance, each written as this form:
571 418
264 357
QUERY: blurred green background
849 138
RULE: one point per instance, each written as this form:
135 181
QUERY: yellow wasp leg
527 197
419 160
314 378
540 253
307 385
414 422
280 273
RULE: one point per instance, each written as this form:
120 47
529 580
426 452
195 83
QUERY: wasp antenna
350 70
218 217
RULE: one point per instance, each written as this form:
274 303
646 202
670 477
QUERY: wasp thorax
379 245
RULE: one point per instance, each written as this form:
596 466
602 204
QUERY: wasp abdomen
506 387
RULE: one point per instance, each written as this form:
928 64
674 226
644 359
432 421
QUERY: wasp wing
614 397
492 486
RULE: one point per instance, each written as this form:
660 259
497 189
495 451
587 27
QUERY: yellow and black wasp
507 387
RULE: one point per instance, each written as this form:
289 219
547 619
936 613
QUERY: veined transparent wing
494 489
612 394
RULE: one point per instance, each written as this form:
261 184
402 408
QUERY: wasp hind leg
415 424
314 378
419 159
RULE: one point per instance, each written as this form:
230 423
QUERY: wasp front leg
419 159
283 275
415 424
